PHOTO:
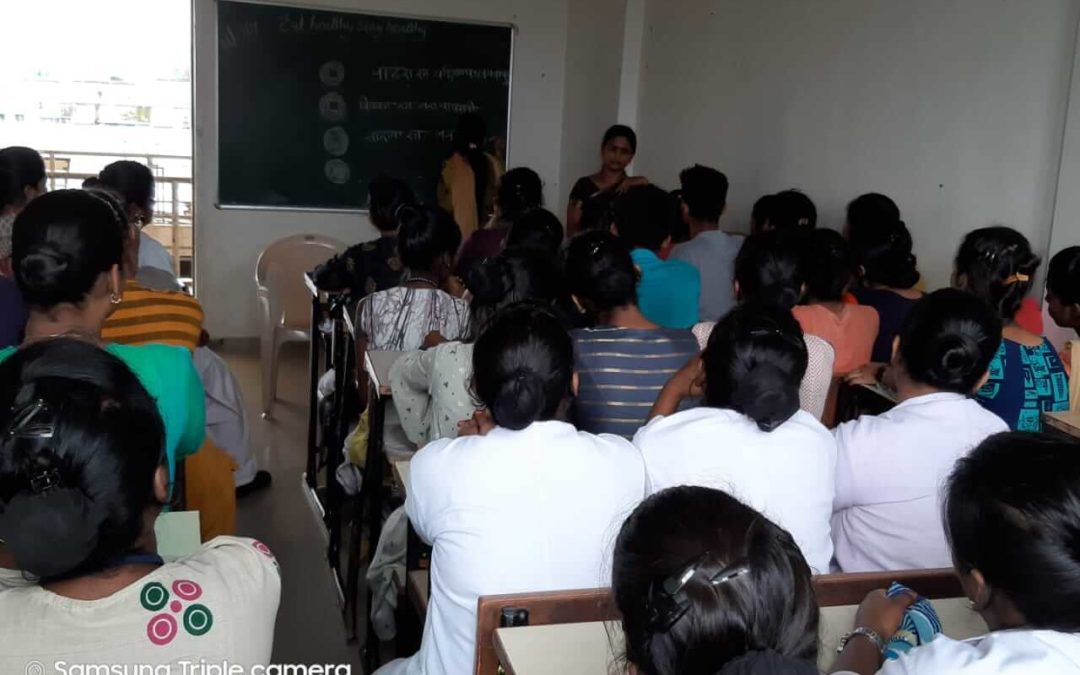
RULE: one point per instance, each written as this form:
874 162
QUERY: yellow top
147 316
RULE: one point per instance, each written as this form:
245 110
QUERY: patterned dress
1024 383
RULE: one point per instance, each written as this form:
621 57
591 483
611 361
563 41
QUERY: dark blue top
621 372
12 314
1024 383
892 310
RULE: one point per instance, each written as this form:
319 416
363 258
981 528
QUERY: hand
868 374
689 381
636 181
883 614
478 425
433 339
454 286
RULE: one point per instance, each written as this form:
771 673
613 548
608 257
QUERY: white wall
955 109
228 242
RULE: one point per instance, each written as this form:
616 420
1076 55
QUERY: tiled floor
309 625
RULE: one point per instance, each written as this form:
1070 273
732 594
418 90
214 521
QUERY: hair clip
668 603
765 332
46 480
23 425
1018 277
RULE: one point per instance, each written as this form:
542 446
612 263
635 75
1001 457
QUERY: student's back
532 505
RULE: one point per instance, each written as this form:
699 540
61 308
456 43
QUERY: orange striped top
147 316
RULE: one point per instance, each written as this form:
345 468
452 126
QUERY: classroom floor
309 625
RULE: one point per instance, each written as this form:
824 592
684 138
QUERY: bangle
870 635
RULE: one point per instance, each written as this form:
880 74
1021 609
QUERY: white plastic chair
284 299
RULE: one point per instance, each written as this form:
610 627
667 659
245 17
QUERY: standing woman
1027 377
22 178
592 199
470 177
134 184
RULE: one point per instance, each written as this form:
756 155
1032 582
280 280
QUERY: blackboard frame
319 7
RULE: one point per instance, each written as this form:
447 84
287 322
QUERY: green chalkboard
312 104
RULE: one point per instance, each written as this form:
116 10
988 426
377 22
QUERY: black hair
386 196
620 131
425 235
763 613
82 440
754 363
791 209
600 271
704 191
520 191
1013 512
759 215
881 242
828 265
469 137
132 181
769 268
523 364
997 265
1063 275
538 231
20 168
643 217
62 242
507 279
949 339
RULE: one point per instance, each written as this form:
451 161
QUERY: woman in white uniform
1012 514
749 438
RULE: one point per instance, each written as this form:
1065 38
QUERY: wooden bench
591 640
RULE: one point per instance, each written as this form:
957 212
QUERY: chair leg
266 359
274 359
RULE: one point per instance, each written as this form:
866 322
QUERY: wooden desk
1065 422
378 365
401 473
591 648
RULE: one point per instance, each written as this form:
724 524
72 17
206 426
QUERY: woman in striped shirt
624 360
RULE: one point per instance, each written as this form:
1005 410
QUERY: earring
115 299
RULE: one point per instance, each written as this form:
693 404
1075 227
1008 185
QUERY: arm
688 382
880 614
573 217
194 431
410 379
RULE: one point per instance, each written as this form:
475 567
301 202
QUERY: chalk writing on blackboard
337 172
332 73
312 23
455 107
446 73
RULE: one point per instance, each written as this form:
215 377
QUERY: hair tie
1018 277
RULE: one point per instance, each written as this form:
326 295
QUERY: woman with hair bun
1027 378
749 436
884 266
706 585
83 478
1012 517
68 255
134 184
22 179
887 507
501 510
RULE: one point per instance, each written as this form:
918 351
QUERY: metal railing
174 195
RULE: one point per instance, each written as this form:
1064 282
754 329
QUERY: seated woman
887 512
1014 528
850 329
538 232
520 191
706 584
592 199
768 270
372 265
1063 293
82 480
402 317
625 359
134 183
1027 378
749 436
502 510
68 255
22 179
431 387
885 266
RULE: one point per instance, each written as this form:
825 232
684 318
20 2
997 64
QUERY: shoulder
683 270
582 188
1020 652
693 420
243 567
6 352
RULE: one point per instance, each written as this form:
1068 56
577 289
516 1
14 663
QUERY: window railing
173 195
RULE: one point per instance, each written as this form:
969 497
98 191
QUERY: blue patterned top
1024 383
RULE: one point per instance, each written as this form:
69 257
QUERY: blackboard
312 104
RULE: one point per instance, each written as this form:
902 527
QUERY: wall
955 109
228 242
594 45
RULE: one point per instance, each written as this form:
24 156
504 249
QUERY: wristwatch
864 632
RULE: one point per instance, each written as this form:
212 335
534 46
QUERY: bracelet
864 632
